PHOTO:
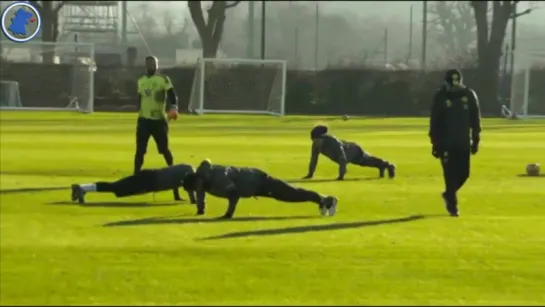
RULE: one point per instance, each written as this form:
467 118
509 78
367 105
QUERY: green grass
54 252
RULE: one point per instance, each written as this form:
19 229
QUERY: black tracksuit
150 180
342 153
455 134
234 183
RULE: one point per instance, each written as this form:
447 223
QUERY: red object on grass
32 19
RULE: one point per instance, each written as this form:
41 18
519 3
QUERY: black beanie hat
453 77
318 131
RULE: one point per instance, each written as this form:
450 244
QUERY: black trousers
456 168
283 191
140 183
366 160
155 128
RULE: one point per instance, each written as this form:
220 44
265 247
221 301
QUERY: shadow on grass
116 204
193 220
528 176
30 190
312 228
331 180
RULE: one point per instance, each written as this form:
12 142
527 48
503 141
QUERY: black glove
474 147
436 151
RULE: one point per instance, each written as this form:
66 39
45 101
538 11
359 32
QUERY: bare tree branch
59 6
454 26
227 6
195 9
210 30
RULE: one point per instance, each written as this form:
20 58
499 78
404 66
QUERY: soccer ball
533 169
346 117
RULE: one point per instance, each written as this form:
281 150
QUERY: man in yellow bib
155 91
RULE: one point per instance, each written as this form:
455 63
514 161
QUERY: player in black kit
342 153
455 128
234 183
145 181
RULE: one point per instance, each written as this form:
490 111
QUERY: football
533 169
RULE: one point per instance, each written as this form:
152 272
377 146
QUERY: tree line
459 27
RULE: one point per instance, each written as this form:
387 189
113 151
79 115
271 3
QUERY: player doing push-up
145 181
342 153
234 183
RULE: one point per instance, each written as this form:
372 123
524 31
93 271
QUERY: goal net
47 76
527 99
239 86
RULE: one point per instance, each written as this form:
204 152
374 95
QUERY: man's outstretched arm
233 201
227 188
172 98
342 160
475 121
200 194
194 186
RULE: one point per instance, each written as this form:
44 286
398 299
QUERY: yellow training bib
152 90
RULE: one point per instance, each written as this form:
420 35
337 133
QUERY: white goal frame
74 101
199 83
518 109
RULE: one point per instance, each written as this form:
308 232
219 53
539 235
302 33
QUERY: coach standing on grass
154 92
455 116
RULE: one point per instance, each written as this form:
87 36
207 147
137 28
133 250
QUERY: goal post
243 86
47 76
527 98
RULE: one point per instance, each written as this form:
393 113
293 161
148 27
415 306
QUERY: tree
147 21
49 12
169 22
490 42
454 26
210 30
290 34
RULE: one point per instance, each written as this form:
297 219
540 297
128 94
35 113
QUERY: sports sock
89 187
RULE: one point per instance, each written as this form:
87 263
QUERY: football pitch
391 242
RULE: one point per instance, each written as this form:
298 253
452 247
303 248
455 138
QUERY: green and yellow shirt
152 90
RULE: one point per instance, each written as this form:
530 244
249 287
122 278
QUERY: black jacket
455 119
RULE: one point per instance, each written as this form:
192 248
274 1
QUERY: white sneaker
323 211
332 210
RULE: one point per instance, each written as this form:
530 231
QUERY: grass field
391 242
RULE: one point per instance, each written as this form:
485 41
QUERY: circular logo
21 22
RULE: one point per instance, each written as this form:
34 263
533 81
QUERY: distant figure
343 153
20 21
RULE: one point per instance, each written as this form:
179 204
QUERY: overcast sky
385 9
